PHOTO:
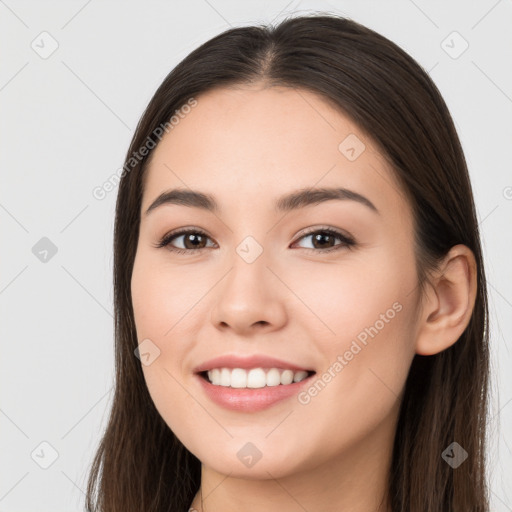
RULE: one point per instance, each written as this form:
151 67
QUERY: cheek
160 297
360 385
162 305
345 298
370 344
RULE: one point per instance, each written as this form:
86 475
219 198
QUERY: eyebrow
291 201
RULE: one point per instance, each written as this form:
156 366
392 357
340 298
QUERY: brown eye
192 240
324 240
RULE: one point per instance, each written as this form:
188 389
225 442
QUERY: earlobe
449 302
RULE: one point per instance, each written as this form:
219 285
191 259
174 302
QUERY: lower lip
250 399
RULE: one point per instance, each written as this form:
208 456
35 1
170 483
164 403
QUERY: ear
449 301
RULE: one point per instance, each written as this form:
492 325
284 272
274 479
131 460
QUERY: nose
250 298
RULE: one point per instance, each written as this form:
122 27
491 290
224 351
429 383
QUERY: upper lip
248 362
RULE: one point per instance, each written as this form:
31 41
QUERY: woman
298 270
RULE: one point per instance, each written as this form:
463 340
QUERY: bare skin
332 450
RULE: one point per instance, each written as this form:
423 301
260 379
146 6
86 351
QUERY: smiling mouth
255 378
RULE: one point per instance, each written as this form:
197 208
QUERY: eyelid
323 228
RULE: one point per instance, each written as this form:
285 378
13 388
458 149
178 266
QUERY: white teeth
254 378
238 378
214 376
298 376
287 377
273 377
225 377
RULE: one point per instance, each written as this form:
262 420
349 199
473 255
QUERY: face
322 286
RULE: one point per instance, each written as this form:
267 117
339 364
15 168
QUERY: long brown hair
140 465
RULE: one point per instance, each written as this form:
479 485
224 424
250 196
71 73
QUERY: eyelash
346 242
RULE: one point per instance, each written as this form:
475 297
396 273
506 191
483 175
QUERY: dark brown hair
140 465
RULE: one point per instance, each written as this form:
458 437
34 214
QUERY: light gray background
66 123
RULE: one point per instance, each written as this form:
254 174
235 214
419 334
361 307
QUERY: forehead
241 141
